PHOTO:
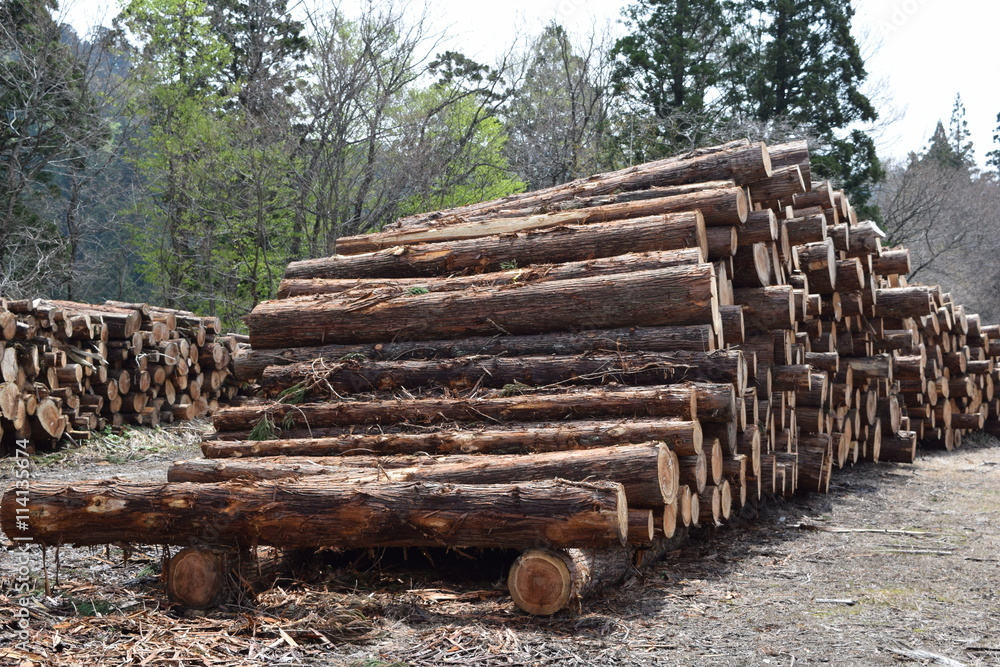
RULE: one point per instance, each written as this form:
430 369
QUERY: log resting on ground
308 514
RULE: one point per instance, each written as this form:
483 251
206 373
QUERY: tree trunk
760 227
723 206
318 514
903 302
793 153
647 471
675 296
666 401
783 183
684 437
545 581
250 363
318 378
627 263
767 308
568 243
738 160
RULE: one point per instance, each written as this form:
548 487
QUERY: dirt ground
898 564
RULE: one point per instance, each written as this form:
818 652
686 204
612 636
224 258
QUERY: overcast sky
920 52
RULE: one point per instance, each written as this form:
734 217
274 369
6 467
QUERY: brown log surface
306 514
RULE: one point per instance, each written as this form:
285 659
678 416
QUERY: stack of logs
70 369
588 367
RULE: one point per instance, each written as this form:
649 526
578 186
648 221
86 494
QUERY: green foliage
672 58
712 69
418 290
468 145
294 395
801 64
215 232
952 148
264 429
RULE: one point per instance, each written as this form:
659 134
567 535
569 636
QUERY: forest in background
187 153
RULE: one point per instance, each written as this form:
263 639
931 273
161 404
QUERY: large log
647 471
721 206
318 514
684 437
319 378
249 363
666 401
568 243
903 302
783 184
767 308
793 153
633 261
739 160
674 296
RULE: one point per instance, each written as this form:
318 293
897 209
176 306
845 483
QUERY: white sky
920 53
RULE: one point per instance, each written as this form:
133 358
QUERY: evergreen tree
808 70
758 67
670 63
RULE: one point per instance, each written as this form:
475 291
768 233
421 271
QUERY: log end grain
540 583
195 577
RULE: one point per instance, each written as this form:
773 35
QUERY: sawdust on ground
897 564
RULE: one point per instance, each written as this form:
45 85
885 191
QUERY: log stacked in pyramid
656 347
69 368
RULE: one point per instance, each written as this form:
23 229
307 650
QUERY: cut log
738 160
568 243
641 526
752 266
903 302
634 261
685 438
306 514
710 506
667 401
793 153
767 308
545 581
251 363
806 229
674 296
320 379
760 227
647 471
783 183
196 577
896 261
720 206
721 242
899 447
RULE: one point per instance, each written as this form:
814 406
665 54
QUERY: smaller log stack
70 369
690 335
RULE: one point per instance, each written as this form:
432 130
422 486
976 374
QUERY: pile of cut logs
70 368
577 372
